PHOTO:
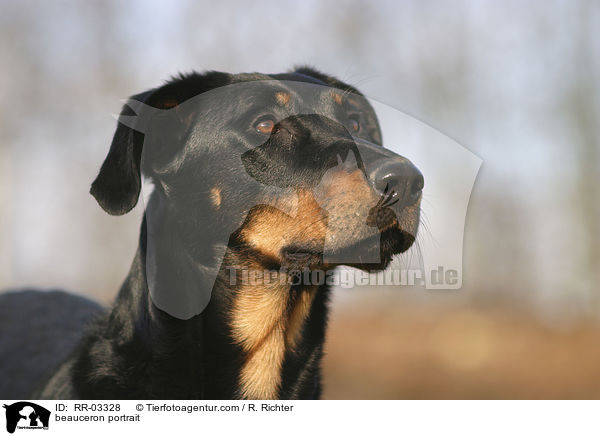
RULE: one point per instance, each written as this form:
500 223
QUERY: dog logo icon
26 415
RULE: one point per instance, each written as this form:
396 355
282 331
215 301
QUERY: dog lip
367 243
376 241
300 253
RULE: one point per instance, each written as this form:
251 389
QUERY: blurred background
516 83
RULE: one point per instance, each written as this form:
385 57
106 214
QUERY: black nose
399 177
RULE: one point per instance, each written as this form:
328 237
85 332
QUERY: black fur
136 350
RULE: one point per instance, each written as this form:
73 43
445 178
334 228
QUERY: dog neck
265 317
250 342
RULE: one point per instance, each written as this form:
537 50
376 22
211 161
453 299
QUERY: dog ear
372 127
325 78
117 186
153 115
161 115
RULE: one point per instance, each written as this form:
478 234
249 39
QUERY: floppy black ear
118 184
165 120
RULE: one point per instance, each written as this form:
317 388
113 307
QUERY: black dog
255 183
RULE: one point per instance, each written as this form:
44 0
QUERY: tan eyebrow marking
355 101
336 97
283 98
215 196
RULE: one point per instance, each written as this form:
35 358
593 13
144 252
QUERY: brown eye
265 126
355 124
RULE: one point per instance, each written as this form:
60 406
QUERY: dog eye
354 124
265 126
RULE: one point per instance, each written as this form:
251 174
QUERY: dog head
287 168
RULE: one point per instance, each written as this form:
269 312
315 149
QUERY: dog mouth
370 253
375 252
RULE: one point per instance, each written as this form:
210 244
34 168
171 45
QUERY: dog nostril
399 179
417 186
387 182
